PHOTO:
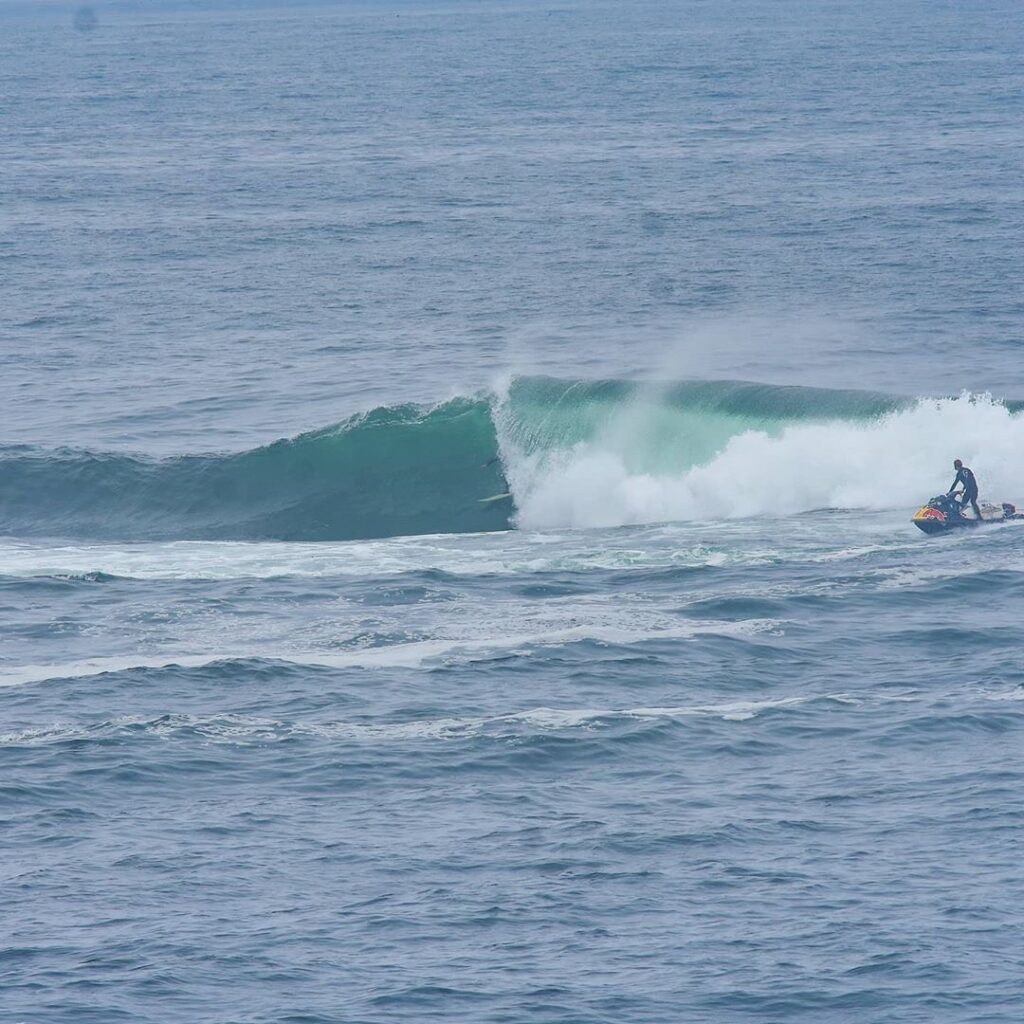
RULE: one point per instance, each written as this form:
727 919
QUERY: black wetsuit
965 477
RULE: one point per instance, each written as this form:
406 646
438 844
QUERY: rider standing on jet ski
966 478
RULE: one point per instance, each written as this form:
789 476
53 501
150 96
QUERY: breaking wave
569 454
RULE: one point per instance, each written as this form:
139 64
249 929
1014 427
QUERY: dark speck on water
85 19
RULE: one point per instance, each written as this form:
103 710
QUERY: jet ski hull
942 514
932 525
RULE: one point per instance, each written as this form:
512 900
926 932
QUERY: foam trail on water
402 655
895 460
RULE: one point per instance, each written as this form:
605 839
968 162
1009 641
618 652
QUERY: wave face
393 471
573 454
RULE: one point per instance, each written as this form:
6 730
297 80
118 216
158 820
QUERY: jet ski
943 513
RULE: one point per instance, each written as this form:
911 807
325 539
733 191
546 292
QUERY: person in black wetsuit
965 478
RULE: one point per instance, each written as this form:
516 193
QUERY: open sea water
456 472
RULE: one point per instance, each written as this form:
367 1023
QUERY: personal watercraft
944 513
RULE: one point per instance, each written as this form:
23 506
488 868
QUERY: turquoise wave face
393 471
406 469
664 427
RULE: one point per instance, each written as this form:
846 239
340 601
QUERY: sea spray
887 461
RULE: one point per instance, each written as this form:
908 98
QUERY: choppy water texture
455 480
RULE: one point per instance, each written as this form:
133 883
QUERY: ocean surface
456 471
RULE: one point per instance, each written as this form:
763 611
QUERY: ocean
456 475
